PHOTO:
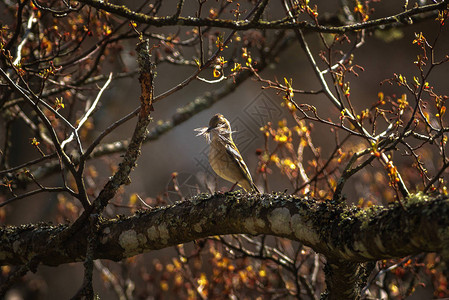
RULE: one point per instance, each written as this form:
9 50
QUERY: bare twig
87 115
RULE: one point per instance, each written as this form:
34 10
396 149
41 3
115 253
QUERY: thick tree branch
345 280
355 235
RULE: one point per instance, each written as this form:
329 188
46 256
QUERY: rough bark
345 280
340 233
349 237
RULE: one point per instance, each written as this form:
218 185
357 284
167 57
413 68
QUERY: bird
224 157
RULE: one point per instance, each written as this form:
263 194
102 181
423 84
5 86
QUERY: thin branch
206 64
34 192
46 122
437 176
285 23
31 21
87 114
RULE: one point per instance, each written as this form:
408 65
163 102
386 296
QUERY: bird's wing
235 154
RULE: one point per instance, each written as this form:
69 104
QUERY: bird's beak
209 129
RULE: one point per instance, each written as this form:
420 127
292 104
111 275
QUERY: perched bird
224 157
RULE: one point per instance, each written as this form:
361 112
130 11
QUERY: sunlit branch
32 20
87 114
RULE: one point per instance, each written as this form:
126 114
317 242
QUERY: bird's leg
232 188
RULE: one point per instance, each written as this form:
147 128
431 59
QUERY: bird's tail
249 186
254 187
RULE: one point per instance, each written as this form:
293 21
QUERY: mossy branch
349 233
